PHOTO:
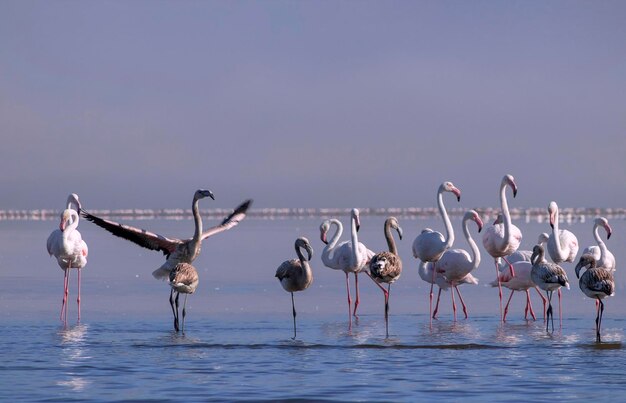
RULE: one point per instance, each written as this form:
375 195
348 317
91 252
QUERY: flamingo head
303 243
508 180
393 223
473 215
356 216
537 255
553 210
587 261
66 217
73 200
449 187
543 238
202 193
603 222
324 227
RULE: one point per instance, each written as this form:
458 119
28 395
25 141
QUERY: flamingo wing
232 220
141 237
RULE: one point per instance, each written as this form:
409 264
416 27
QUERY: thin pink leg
560 314
349 300
67 294
499 291
356 286
529 304
544 300
453 303
510 267
62 316
506 308
78 298
462 302
434 315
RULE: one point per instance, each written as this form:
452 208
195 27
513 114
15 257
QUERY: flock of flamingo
439 263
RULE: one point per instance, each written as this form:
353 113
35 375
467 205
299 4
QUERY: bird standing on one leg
183 278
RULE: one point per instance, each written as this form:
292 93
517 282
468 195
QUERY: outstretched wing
139 236
230 221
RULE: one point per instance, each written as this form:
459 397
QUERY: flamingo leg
529 304
67 295
506 307
387 291
599 321
64 301
560 314
184 312
499 291
453 302
510 267
78 297
349 301
173 309
293 307
434 315
549 313
356 287
543 299
462 302
176 302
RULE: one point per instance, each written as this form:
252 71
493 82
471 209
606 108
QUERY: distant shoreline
529 214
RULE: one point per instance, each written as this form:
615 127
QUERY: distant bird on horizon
386 267
296 274
548 277
183 278
70 250
603 256
596 283
430 245
501 240
349 256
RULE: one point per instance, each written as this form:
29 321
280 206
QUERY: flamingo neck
355 242
555 234
328 249
304 263
600 242
391 243
195 243
472 244
71 227
446 220
506 215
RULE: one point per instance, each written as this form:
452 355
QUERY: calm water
237 344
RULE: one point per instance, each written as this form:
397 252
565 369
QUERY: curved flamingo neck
472 244
505 214
328 249
391 243
304 263
72 225
556 235
600 242
355 241
195 243
446 220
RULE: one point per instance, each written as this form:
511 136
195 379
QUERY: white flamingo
68 247
456 264
500 240
386 266
295 274
522 281
562 244
603 256
426 271
548 277
429 245
596 283
349 256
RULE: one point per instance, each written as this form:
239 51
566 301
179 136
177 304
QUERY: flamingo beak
457 193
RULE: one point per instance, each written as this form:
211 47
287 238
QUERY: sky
136 104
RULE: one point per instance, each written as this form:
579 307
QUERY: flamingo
386 266
562 244
520 255
182 278
603 256
296 275
429 245
346 256
548 277
522 281
456 264
68 247
500 240
175 250
596 283
426 271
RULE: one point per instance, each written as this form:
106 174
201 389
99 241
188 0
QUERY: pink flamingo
430 245
500 240
603 256
68 247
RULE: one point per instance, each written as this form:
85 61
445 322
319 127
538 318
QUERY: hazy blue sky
311 103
